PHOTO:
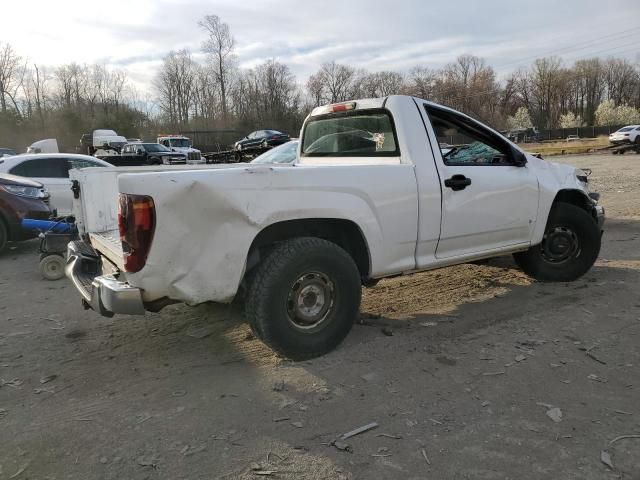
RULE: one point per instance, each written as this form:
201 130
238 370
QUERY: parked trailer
620 149
234 156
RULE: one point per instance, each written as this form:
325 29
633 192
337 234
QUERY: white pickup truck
371 195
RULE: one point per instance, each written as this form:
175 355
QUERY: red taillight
342 107
136 222
336 107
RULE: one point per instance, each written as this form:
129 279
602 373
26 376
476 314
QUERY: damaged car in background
371 195
20 198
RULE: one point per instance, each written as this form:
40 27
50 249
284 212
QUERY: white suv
628 134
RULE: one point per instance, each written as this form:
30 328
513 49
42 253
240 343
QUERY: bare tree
337 81
620 79
11 76
421 82
219 46
316 89
176 86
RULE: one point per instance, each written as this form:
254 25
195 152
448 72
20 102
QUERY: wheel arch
574 197
344 233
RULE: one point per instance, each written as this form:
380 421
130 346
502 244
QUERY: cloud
370 34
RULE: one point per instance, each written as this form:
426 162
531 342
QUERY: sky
134 35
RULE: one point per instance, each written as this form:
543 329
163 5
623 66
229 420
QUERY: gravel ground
487 375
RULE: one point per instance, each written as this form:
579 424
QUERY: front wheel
569 248
304 297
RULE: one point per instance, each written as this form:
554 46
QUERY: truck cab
182 144
133 154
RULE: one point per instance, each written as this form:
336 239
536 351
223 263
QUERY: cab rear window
363 133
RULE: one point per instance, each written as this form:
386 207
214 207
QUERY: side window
43 168
464 142
83 163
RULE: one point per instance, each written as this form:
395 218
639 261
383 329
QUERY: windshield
626 129
155 147
180 142
285 153
361 133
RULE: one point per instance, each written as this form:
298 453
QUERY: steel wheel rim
310 301
560 245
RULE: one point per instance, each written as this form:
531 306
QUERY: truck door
489 203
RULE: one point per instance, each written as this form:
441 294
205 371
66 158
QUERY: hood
8 179
184 149
564 175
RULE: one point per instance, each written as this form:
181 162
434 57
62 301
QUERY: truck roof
371 103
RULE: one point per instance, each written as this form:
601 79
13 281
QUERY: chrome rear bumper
103 293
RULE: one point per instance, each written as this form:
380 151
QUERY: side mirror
519 158
140 151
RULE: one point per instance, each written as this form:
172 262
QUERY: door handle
457 182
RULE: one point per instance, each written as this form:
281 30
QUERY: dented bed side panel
207 220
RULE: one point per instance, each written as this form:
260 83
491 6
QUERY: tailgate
95 204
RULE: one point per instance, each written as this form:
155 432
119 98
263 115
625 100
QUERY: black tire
4 236
569 249
277 305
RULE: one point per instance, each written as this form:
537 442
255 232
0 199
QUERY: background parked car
262 139
20 198
52 170
148 154
573 138
282 154
7 152
628 134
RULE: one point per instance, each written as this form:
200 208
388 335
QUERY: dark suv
20 198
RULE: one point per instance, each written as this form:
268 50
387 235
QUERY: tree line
39 101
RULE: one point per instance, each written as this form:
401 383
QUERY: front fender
556 181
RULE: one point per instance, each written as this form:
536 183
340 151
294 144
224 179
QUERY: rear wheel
569 248
304 297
